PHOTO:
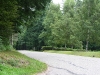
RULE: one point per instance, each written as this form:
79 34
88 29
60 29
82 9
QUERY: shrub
5 47
59 48
9 47
47 48
69 49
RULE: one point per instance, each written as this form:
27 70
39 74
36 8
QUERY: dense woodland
32 24
15 17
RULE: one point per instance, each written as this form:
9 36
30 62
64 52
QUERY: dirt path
60 64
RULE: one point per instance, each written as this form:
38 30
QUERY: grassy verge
80 53
14 63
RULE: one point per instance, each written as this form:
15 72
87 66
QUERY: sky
57 1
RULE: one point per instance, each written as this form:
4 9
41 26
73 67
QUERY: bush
59 48
69 49
5 47
47 48
9 47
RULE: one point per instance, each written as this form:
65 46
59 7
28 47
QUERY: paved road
60 64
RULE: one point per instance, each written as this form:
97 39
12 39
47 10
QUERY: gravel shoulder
61 64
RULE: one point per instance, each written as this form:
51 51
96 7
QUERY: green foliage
1 45
47 48
28 7
88 15
29 37
14 63
31 18
28 10
9 47
75 26
14 13
8 15
5 47
52 14
61 28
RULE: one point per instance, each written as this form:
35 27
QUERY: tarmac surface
61 64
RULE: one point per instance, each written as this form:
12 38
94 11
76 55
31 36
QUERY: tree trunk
87 41
65 46
72 47
12 40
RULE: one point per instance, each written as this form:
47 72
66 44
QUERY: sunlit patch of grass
80 53
14 63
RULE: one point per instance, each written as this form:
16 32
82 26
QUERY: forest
34 24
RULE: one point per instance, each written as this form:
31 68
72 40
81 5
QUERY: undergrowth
14 63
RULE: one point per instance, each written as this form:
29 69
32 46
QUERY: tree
31 16
14 13
52 14
69 27
74 26
89 20
8 14
28 9
60 27
30 39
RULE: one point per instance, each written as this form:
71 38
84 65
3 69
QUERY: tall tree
8 15
69 25
30 37
89 19
51 16
28 9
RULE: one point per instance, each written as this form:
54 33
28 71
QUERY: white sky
57 1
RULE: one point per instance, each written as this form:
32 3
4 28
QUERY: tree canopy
14 13
43 23
8 15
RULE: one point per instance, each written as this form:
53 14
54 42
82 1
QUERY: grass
14 63
79 53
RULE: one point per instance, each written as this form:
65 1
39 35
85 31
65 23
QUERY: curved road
61 64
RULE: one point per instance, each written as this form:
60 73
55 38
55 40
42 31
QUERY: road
61 64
